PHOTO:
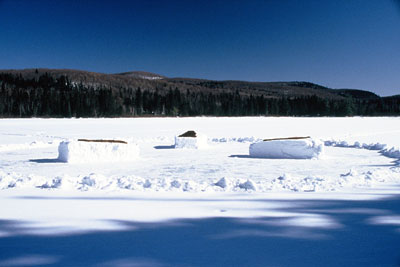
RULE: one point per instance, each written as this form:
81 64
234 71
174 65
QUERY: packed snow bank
393 152
196 141
84 152
285 182
357 144
390 152
247 139
305 148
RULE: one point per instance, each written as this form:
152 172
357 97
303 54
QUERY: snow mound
393 152
86 152
198 142
248 185
221 183
306 148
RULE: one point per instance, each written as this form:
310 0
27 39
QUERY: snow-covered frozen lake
228 196
28 155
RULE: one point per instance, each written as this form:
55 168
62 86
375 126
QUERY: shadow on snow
56 160
355 239
165 147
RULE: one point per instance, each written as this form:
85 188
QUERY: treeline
46 96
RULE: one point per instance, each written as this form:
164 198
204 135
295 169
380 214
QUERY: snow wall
287 149
84 152
198 142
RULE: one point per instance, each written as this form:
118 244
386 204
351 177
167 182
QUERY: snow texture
85 152
287 149
351 193
198 142
32 145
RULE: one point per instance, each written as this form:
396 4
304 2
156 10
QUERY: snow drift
191 140
84 152
296 148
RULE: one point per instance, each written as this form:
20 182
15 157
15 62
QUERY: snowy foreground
216 205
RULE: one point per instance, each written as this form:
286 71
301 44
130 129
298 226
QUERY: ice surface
287 149
85 152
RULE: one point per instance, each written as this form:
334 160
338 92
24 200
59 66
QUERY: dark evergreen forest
47 96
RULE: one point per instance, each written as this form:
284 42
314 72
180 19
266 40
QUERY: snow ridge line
393 152
248 139
285 182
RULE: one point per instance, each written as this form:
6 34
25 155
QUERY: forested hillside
68 93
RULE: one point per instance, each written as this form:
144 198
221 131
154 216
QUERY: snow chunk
198 142
248 185
147 184
221 183
53 183
85 152
351 173
175 184
391 152
305 148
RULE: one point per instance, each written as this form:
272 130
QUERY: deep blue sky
337 43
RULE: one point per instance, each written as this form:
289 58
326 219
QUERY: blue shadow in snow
241 156
165 147
224 241
250 157
56 160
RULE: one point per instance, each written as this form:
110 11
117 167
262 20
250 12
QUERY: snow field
350 161
193 172
212 198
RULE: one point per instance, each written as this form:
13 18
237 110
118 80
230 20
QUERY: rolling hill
152 81
75 93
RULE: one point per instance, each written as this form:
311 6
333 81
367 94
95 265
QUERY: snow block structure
287 148
93 151
192 140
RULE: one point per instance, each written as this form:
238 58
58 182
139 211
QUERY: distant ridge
75 93
142 75
153 81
